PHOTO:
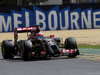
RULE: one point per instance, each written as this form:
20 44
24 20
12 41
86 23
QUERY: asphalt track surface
80 65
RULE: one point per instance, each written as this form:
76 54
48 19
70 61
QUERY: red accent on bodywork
15 32
72 51
32 53
15 35
51 36
24 28
43 52
67 51
37 30
32 37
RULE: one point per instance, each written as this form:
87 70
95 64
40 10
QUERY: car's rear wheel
26 50
8 49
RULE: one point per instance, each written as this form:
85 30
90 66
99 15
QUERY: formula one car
38 46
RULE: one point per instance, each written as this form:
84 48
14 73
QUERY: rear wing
25 29
22 30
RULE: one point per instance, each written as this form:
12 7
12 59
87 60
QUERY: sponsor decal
51 19
43 52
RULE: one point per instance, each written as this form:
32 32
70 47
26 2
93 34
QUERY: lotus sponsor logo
53 19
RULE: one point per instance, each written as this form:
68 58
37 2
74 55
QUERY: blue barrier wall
58 17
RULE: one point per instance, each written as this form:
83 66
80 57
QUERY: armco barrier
58 17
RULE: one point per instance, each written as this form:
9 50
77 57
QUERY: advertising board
57 17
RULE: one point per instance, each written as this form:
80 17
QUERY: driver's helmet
39 35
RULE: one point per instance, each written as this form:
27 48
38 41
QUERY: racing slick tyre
70 43
8 49
26 50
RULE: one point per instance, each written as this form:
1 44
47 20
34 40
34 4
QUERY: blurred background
43 2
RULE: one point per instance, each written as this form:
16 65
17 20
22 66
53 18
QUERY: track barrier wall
55 17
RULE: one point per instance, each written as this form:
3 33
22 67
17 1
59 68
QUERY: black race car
35 47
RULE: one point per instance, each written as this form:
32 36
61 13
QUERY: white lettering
75 20
5 24
54 14
96 19
66 21
16 22
86 20
27 19
38 20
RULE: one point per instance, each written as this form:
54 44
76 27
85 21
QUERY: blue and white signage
53 19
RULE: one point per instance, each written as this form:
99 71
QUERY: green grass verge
89 46
0 44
